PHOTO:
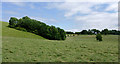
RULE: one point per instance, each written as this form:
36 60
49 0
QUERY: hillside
11 32
19 46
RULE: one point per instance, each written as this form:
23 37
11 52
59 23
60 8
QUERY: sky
68 15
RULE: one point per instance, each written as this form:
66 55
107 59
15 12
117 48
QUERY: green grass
19 46
10 32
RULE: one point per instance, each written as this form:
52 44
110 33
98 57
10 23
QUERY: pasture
19 46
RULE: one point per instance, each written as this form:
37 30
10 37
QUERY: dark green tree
12 22
105 31
95 31
78 33
89 32
99 37
68 32
84 32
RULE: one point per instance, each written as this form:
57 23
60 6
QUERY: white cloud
46 20
74 30
99 20
32 0
94 19
112 7
98 16
72 8
60 0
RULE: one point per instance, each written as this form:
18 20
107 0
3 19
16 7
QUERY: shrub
99 37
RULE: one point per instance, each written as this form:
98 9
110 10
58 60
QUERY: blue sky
71 16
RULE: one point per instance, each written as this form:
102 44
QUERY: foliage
99 37
84 32
37 27
22 29
12 22
95 31
69 32
78 33
89 32
105 31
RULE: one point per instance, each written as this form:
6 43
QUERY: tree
105 31
12 22
63 34
95 31
26 17
84 32
90 32
68 32
78 33
99 37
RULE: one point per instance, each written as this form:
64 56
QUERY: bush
99 37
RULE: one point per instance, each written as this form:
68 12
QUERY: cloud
45 19
32 0
89 17
72 8
99 20
60 0
74 30
113 7
91 1
82 12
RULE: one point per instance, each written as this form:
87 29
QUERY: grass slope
10 32
21 46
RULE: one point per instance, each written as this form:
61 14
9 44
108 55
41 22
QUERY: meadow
19 46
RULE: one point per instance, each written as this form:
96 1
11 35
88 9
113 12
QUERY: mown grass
21 46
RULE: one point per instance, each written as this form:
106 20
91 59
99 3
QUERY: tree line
95 31
37 27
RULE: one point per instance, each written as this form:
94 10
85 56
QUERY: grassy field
21 46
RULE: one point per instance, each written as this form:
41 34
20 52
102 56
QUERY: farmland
19 46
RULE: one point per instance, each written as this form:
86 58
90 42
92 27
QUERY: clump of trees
99 37
69 33
95 31
30 25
